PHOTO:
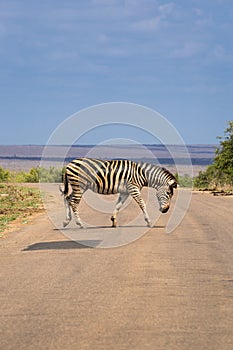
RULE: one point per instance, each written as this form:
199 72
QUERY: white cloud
198 12
203 22
97 68
146 24
63 56
162 14
221 54
104 2
188 50
166 9
10 10
103 39
2 29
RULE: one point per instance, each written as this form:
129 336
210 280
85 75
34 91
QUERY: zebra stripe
115 176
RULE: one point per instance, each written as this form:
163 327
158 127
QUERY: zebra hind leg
77 217
121 200
67 200
75 207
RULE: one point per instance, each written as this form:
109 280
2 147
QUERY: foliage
184 180
50 175
220 173
202 181
34 175
17 201
4 175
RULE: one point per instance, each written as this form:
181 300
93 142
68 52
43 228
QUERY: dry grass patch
17 202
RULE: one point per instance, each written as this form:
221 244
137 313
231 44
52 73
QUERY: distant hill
24 157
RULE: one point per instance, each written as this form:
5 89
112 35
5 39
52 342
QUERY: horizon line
109 145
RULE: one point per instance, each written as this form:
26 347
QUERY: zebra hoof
114 223
65 223
149 224
80 224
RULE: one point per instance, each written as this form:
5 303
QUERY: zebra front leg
121 200
136 194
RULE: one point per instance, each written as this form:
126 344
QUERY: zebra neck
154 176
153 183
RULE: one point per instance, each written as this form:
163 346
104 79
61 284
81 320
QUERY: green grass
17 202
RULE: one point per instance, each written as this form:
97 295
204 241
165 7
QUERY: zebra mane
165 175
171 176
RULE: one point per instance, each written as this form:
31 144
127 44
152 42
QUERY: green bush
201 181
184 180
51 174
35 174
4 174
220 173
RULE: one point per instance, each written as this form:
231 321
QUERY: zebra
122 176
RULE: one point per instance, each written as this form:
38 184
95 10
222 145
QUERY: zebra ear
172 183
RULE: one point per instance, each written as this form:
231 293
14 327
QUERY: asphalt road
163 291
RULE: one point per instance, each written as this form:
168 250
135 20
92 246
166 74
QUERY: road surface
163 291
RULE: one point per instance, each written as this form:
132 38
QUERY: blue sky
58 57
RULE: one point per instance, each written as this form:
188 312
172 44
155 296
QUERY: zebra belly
113 189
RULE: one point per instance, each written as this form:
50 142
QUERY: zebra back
102 176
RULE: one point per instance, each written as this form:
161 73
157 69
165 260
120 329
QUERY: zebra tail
65 190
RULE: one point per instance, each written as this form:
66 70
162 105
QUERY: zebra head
164 195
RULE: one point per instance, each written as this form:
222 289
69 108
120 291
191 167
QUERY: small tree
220 173
224 156
32 175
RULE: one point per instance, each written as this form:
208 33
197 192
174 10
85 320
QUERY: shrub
4 174
50 174
35 174
184 180
220 173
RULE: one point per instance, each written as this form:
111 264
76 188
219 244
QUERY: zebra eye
171 191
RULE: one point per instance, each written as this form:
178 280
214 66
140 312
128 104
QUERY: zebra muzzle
164 209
